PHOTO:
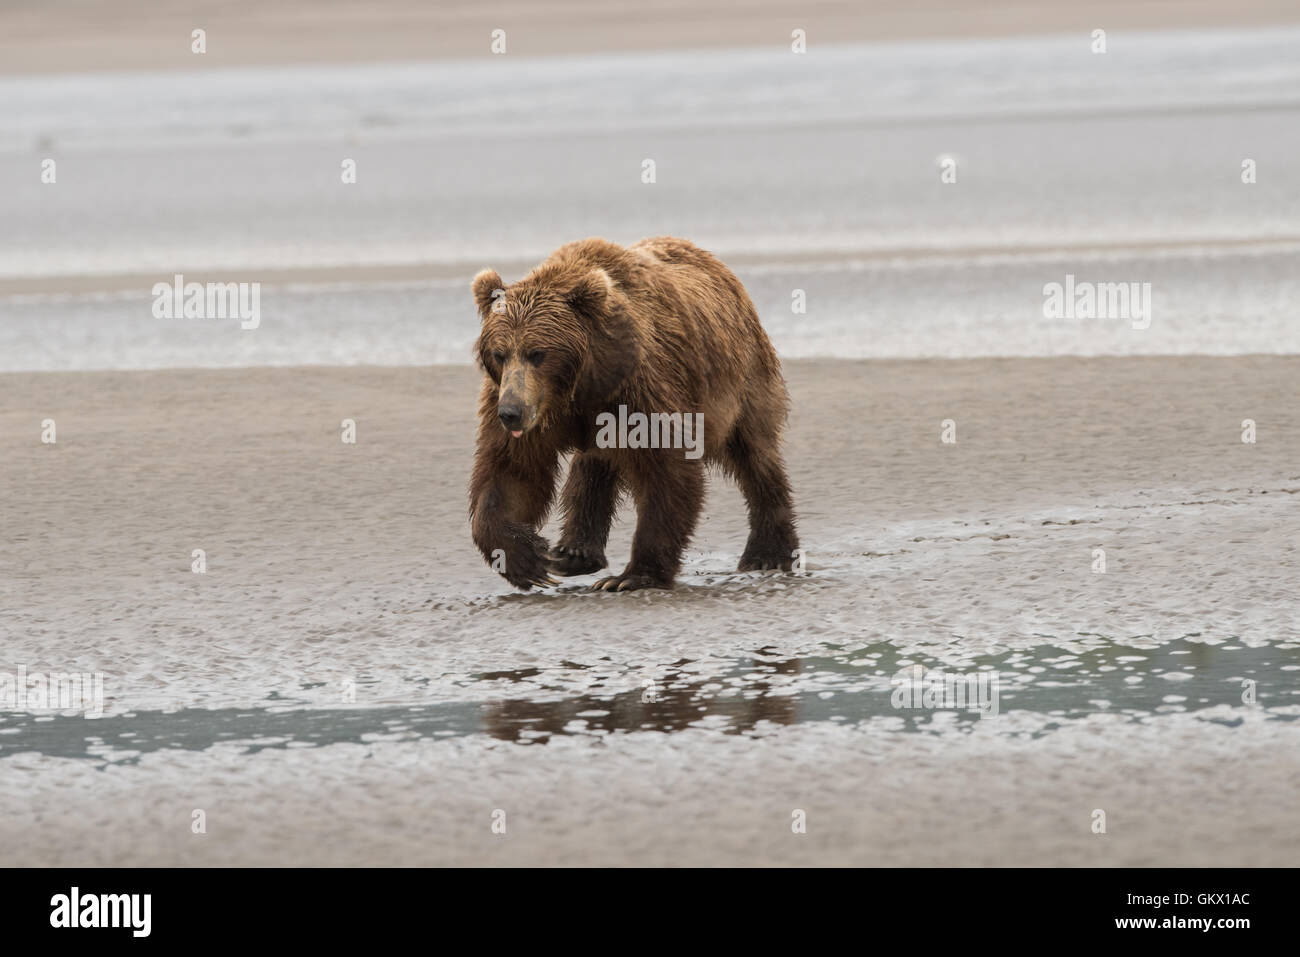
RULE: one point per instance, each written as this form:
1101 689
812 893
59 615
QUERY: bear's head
553 344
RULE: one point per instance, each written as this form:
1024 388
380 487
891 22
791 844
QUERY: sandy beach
327 561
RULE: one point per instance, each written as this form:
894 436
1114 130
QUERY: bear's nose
511 415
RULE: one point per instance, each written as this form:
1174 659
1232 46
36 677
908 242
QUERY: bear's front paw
524 563
576 559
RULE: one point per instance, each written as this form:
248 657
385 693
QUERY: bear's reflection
675 702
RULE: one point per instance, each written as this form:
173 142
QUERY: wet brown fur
659 326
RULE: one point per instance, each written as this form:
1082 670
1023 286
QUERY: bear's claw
628 582
525 565
760 561
540 582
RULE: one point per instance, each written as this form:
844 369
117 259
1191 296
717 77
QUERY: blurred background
820 170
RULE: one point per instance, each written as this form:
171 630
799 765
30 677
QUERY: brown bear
598 338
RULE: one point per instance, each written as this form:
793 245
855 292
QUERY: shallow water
750 696
1231 301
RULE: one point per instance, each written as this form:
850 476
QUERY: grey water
740 696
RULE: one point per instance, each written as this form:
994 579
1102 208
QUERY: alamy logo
1098 300
211 300
934 690
102 910
658 430
55 691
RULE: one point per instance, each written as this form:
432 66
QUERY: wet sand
330 563
76 35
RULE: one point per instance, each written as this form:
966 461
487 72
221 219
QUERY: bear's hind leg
668 502
760 473
589 499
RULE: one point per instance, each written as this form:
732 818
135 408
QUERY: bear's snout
518 404
511 414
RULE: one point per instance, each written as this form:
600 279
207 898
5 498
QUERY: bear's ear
587 297
485 286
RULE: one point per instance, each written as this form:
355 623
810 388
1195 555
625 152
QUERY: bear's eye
498 356
536 356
